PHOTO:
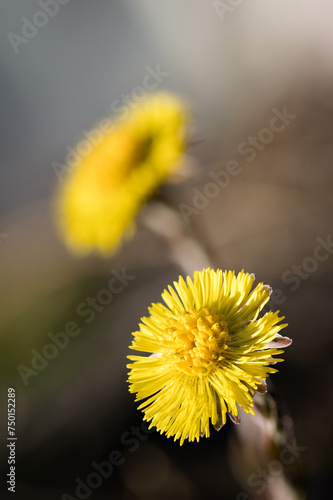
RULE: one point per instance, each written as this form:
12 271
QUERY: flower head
210 352
98 202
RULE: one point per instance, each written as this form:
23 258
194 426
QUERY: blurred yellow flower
210 353
97 204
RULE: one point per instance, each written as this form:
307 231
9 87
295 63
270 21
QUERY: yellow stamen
197 341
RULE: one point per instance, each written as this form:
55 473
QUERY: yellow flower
211 353
103 193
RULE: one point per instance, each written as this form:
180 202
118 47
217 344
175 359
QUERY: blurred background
237 66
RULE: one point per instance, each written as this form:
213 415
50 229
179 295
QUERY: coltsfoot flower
99 200
209 353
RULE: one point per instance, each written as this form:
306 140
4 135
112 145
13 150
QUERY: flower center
196 341
114 161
